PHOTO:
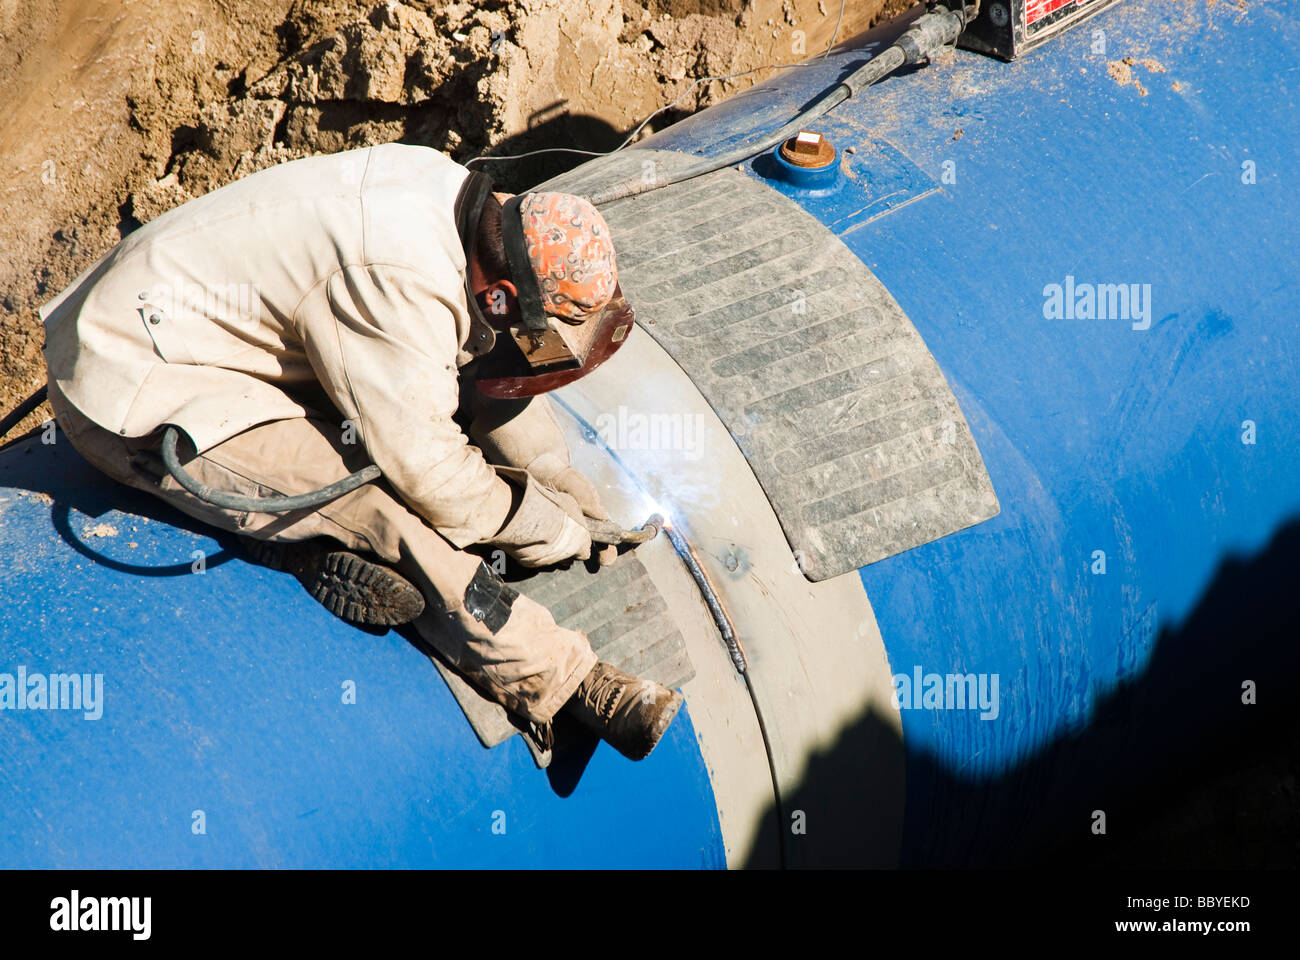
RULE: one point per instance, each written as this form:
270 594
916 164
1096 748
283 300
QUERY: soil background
118 110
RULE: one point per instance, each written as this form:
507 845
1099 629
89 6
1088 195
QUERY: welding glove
545 527
525 434
557 474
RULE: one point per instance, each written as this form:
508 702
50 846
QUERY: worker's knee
376 520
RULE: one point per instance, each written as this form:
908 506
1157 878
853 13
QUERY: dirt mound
123 109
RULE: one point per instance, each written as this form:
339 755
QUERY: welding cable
226 501
740 662
928 34
664 109
20 412
230 501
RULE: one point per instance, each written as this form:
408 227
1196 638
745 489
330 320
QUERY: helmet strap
528 291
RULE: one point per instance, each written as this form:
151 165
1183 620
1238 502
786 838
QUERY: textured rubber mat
828 389
624 617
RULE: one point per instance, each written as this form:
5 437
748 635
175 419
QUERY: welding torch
610 533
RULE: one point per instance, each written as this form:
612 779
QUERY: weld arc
720 618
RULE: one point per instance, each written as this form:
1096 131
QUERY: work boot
628 713
351 588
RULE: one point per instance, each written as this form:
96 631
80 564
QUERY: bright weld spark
659 508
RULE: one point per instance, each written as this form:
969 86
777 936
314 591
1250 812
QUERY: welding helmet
567 314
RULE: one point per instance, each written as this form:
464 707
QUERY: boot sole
363 592
348 586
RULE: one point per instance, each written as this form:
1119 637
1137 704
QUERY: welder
378 306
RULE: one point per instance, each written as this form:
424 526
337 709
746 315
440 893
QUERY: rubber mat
624 617
828 389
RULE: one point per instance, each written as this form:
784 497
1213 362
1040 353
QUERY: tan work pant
530 665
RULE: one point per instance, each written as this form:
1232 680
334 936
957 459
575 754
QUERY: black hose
922 40
879 67
230 501
20 412
227 501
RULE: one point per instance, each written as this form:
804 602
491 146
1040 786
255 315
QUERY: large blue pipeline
1132 600
1140 575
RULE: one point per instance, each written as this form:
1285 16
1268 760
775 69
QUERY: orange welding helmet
567 314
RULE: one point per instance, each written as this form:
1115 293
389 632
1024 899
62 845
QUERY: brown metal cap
808 149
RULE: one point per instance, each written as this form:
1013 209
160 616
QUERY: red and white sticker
1035 10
